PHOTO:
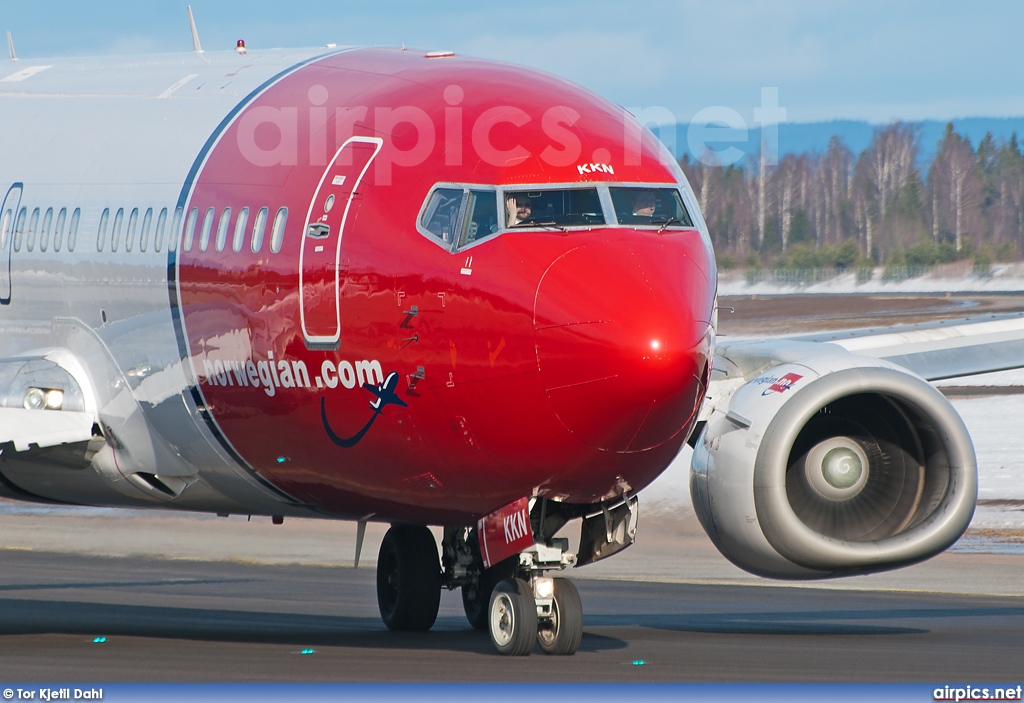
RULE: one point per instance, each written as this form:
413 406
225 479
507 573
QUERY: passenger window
277 233
6 229
115 231
239 237
484 220
258 228
147 223
553 208
158 233
441 215
172 233
204 234
133 223
30 238
222 229
190 230
101 231
44 231
19 228
73 228
58 229
654 207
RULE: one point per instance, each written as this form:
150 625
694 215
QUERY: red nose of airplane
623 339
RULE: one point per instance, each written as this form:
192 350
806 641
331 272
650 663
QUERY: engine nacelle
833 465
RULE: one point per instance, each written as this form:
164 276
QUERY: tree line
840 209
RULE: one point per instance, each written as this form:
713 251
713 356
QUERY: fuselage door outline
322 234
12 201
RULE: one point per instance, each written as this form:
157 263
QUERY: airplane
416 288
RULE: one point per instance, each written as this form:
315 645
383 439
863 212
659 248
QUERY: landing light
43 399
655 345
54 399
544 588
35 399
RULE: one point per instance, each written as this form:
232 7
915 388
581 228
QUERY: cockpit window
553 208
442 214
657 207
483 204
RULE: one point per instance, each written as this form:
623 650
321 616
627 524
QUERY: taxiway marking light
99 640
307 650
638 662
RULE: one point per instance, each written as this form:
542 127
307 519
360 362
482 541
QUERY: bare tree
956 186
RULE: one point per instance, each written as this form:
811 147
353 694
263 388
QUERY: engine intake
851 465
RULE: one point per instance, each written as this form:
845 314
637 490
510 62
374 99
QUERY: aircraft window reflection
484 220
655 207
190 229
30 237
442 214
101 231
222 229
204 234
58 229
258 229
19 228
73 228
115 231
129 237
147 223
239 236
6 229
44 231
277 234
553 208
172 235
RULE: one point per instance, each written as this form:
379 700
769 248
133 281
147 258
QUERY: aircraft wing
43 428
44 400
939 349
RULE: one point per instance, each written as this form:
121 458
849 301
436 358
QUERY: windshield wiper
667 222
550 225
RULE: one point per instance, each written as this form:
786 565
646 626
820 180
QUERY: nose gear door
320 255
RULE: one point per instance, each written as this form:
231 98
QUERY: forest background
835 210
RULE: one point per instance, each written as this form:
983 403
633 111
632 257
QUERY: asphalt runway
180 620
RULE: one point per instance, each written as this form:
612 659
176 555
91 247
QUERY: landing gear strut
408 578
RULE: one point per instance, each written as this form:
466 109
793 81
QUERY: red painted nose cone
623 340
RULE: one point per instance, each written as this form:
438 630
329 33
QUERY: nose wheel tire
408 578
512 618
476 600
562 634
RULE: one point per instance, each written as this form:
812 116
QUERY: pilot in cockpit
519 209
644 204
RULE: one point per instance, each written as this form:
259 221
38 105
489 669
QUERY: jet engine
824 463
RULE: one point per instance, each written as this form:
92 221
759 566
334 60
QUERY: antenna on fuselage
196 46
10 48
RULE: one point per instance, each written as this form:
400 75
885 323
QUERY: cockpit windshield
458 216
568 207
649 206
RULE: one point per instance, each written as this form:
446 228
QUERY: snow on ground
952 278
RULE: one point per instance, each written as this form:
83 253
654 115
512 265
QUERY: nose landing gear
512 599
